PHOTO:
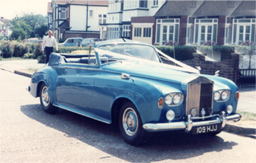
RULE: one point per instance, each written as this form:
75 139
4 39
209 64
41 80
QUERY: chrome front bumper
189 124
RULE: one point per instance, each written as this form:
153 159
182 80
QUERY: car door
74 86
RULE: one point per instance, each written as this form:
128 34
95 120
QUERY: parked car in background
75 41
126 83
89 41
32 40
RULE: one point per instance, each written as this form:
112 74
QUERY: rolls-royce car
137 87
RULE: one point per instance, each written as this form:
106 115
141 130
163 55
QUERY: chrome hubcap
45 96
130 121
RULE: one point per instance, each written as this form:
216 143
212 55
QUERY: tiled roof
246 8
217 8
178 8
204 8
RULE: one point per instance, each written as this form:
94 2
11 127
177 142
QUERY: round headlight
168 100
225 95
217 96
170 115
229 109
177 99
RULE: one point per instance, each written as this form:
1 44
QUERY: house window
114 32
205 31
67 12
63 13
137 32
189 33
102 19
243 31
126 31
91 13
167 30
146 32
50 18
143 4
155 3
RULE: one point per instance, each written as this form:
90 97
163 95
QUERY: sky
10 8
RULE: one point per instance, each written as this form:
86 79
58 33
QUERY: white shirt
49 42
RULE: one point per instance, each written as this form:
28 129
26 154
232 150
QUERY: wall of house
221 30
68 34
183 30
93 21
149 21
78 17
127 15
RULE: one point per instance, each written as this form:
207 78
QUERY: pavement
247 100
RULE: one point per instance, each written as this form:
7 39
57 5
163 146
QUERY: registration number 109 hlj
206 129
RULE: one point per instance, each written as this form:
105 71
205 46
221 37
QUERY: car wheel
46 101
130 124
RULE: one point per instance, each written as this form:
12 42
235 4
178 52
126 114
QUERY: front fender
46 75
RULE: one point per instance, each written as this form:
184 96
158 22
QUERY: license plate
206 129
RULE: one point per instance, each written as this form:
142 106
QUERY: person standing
47 45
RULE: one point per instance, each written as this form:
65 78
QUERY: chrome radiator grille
199 97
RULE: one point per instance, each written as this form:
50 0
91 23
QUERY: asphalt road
27 134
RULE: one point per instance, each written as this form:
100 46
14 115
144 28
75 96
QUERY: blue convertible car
127 83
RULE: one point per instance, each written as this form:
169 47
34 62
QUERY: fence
246 78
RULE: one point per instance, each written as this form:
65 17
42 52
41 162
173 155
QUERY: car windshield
86 41
128 51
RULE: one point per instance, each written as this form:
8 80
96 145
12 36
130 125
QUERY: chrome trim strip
80 68
201 118
189 124
65 108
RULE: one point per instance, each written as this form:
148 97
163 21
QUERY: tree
20 30
32 20
40 31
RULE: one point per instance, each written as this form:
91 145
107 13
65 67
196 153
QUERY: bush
41 58
19 49
29 56
31 47
6 51
38 51
181 52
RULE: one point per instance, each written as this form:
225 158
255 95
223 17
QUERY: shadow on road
160 146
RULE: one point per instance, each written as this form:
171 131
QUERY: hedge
225 51
181 52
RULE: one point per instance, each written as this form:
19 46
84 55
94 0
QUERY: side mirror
125 76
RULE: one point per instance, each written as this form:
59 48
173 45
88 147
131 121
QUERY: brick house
197 22
76 18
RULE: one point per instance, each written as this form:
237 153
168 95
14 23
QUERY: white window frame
175 22
126 31
236 32
63 13
113 32
201 22
155 2
91 13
